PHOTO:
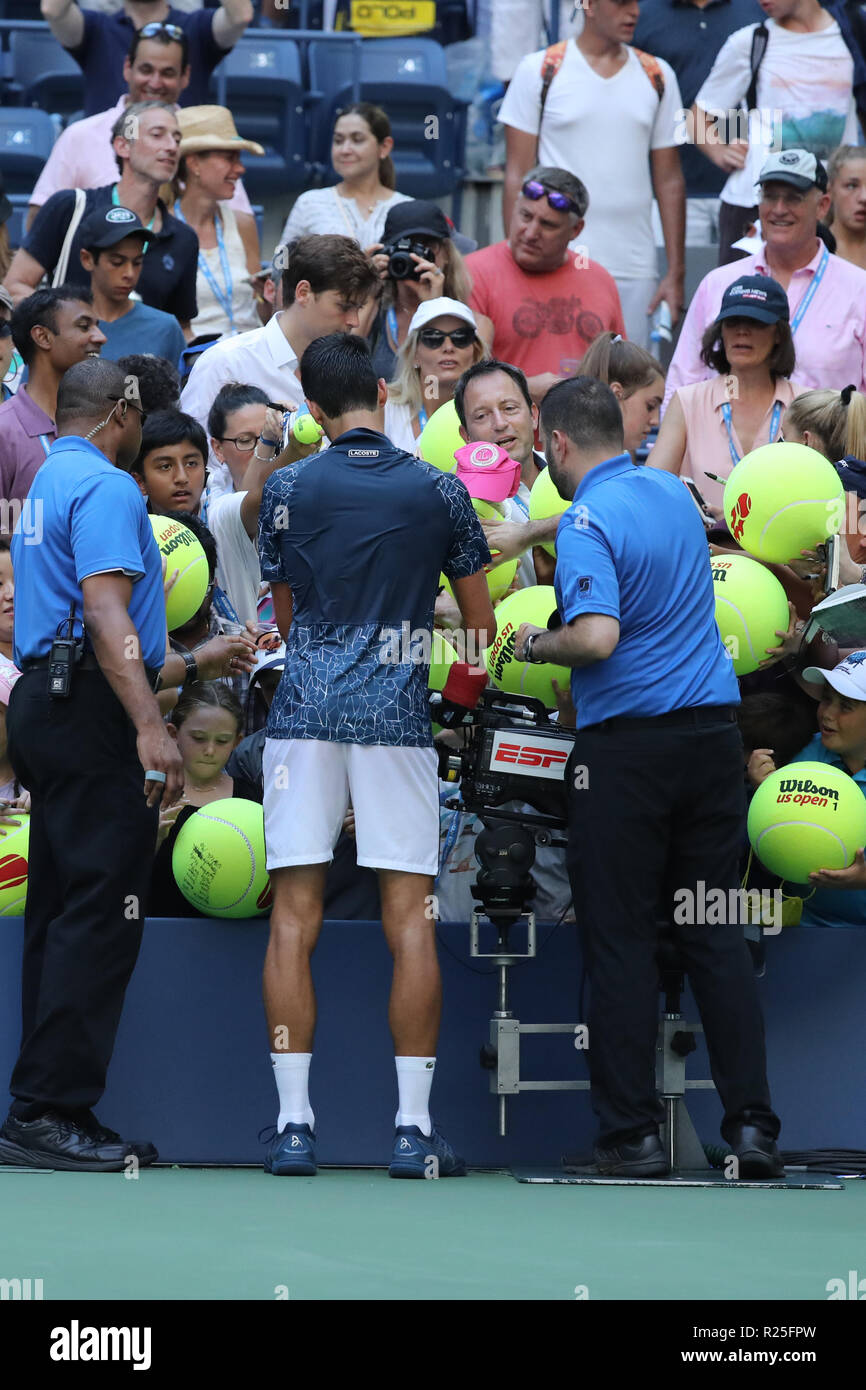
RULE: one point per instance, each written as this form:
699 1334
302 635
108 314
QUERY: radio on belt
65 653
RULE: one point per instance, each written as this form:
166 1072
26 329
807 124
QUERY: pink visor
488 471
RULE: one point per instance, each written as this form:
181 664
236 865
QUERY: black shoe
144 1151
633 1158
57 1141
756 1153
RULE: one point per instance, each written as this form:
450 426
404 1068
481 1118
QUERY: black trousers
734 222
92 840
655 809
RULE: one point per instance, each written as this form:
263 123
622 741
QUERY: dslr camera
400 263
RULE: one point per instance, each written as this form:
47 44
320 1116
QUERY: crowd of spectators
673 124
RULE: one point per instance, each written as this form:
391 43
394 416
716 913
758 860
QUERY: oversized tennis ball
545 501
218 859
440 438
14 857
781 499
751 606
531 605
442 657
182 552
306 430
807 816
499 577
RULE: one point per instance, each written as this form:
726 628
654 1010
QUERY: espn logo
529 755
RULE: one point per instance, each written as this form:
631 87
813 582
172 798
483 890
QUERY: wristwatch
527 650
191 668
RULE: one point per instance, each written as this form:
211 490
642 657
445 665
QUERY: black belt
87 662
691 715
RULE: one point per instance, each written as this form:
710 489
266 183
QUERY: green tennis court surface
356 1234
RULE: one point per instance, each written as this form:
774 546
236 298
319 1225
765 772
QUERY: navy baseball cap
416 217
755 297
107 226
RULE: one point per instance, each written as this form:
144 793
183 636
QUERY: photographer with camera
655 781
417 261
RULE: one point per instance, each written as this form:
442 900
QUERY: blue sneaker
418 1155
292 1154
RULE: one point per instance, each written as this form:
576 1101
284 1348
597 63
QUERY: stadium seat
16 218
409 79
42 74
26 138
260 82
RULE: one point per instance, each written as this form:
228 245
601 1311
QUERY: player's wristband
191 668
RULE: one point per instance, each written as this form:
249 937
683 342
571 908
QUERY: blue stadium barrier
191 1070
26 139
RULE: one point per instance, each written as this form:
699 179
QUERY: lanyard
115 198
450 841
45 442
811 291
422 417
519 502
222 297
391 320
774 428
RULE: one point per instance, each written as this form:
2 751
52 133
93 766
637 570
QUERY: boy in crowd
171 468
113 243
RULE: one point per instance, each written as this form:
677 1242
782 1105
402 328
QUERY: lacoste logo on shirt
363 453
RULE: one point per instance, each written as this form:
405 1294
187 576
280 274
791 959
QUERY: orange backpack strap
550 65
651 67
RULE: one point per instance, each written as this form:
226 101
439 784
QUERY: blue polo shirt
633 546
360 533
831 907
83 516
689 39
105 44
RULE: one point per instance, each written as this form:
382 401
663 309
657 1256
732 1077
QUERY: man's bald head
90 390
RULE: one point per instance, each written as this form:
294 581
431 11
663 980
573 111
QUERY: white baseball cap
848 678
439 308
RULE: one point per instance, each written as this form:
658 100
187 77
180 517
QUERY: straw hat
205 128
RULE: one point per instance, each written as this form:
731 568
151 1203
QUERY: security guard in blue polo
87 739
656 791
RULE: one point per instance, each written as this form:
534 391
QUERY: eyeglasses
244 443
534 190
127 401
458 337
173 31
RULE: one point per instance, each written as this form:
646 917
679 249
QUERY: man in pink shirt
156 69
546 303
826 295
52 329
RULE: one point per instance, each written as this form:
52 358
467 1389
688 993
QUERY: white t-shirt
602 129
322 211
238 573
803 95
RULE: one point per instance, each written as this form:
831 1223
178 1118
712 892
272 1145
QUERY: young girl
635 378
207 723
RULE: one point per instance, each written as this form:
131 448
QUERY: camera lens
400 266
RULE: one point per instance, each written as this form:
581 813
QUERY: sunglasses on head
458 337
157 27
534 190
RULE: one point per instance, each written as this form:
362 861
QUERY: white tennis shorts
394 793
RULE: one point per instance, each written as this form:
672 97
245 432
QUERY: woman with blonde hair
846 184
441 345
834 423
635 378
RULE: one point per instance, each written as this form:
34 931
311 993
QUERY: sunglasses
157 27
534 190
458 337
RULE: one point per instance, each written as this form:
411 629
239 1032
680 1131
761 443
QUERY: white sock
292 1075
414 1079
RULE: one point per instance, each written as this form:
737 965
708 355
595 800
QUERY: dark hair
231 397
39 310
5 545
126 122
329 263
487 368
586 410
204 537
158 380
89 390
781 361
337 373
207 695
167 427
163 38
380 129
770 720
